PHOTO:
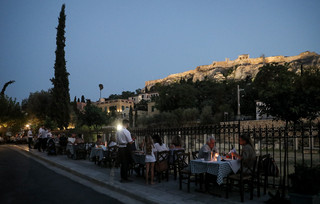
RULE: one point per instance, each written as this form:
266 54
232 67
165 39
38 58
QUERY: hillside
240 68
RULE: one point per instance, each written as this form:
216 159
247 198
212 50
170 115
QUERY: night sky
123 43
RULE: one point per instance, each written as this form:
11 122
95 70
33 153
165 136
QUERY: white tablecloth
70 147
220 169
99 152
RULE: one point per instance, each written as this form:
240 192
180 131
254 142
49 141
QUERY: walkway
164 192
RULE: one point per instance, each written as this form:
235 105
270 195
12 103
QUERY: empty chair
242 179
184 171
80 151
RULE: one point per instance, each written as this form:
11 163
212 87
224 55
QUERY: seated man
208 148
204 152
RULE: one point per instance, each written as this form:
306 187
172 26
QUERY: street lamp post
238 93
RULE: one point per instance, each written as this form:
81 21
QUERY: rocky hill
240 68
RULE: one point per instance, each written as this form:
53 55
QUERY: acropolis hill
240 68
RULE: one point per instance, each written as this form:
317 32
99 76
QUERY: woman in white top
158 144
112 142
150 159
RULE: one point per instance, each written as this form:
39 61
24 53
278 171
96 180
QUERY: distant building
260 116
152 110
143 96
121 106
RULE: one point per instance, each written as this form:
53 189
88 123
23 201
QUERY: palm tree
100 87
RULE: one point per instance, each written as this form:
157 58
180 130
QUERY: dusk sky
123 43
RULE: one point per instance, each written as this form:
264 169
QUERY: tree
206 115
60 91
74 105
308 93
83 99
131 117
124 95
100 87
93 116
138 91
190 115
288 96
11 116
38 105
136 118
176 96
275 88
127 94
142 105
5 87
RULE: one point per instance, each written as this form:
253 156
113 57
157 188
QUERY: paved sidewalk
164 192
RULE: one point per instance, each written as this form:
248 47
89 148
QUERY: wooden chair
263 173
183 160
162 164
195 155
173 164
112 156
80 151
243 179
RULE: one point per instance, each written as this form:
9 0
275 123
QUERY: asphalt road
23 180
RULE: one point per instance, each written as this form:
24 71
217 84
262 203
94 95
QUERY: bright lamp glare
119 127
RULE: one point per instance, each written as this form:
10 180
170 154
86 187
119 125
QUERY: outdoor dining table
219 168
97 152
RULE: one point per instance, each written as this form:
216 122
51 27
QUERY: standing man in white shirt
124 140
42 131
30 136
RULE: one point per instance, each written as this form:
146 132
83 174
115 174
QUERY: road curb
88 178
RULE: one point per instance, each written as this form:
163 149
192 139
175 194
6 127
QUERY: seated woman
112 142
248 154
176 143
79 139
158 144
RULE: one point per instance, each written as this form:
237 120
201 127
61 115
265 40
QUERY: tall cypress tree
131 117
60 91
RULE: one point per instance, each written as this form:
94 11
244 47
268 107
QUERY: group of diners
45 141
146 150
128 150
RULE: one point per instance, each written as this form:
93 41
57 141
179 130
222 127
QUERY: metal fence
303 141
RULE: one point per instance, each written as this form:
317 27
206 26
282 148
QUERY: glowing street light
119 127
